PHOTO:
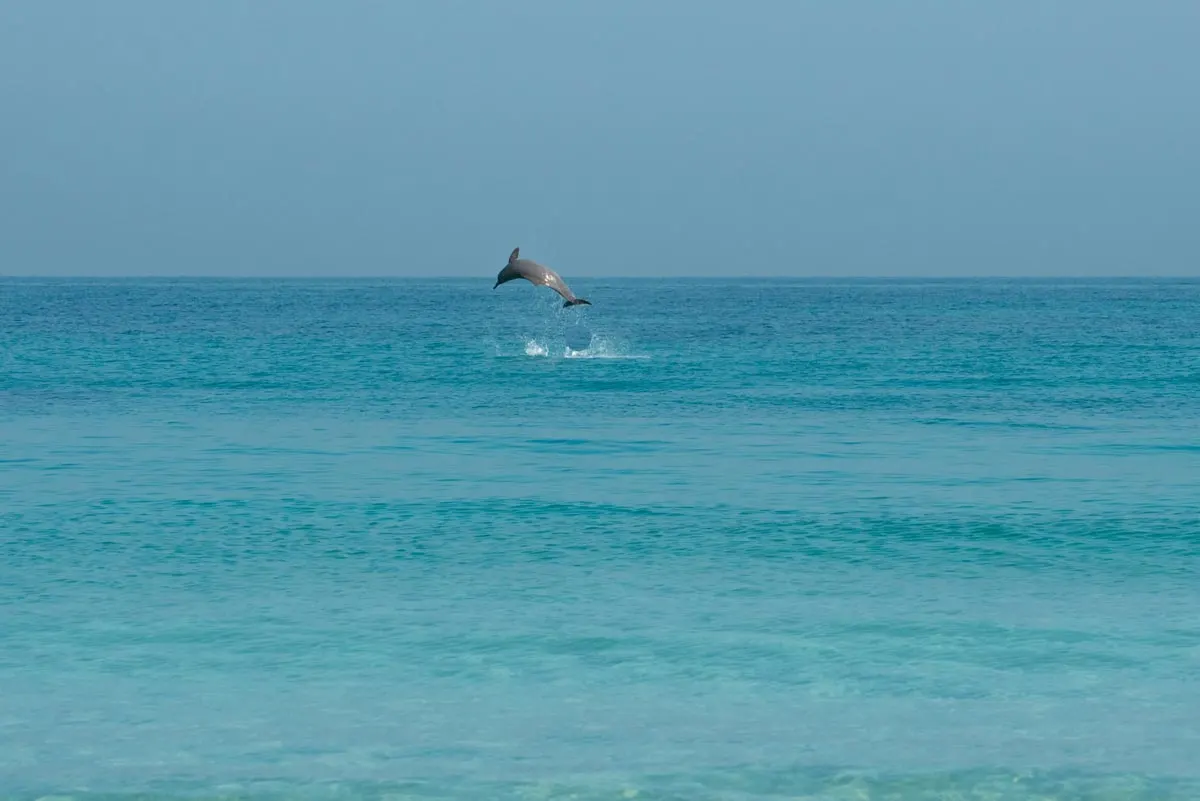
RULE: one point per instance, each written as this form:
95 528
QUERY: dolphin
535 273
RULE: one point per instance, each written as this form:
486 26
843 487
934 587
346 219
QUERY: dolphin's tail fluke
577 302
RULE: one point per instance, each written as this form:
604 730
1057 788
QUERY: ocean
705 539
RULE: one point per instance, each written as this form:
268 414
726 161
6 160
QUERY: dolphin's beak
495 285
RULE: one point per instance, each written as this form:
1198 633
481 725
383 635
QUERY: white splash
600 348
535 348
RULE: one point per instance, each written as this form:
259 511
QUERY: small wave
1002 785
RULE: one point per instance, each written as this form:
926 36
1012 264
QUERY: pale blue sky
624 137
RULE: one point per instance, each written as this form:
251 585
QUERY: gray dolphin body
535 273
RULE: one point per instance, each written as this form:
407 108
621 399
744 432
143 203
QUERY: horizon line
484 278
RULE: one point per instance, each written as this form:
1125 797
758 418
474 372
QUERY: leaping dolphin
535 273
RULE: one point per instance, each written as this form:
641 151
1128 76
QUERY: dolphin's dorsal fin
513 257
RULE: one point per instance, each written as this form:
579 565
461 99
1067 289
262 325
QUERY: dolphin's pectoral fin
513 256
577 302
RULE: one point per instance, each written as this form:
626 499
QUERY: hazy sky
639 137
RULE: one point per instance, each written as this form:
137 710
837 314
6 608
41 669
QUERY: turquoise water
749 540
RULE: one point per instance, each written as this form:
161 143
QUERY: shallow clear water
372 539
